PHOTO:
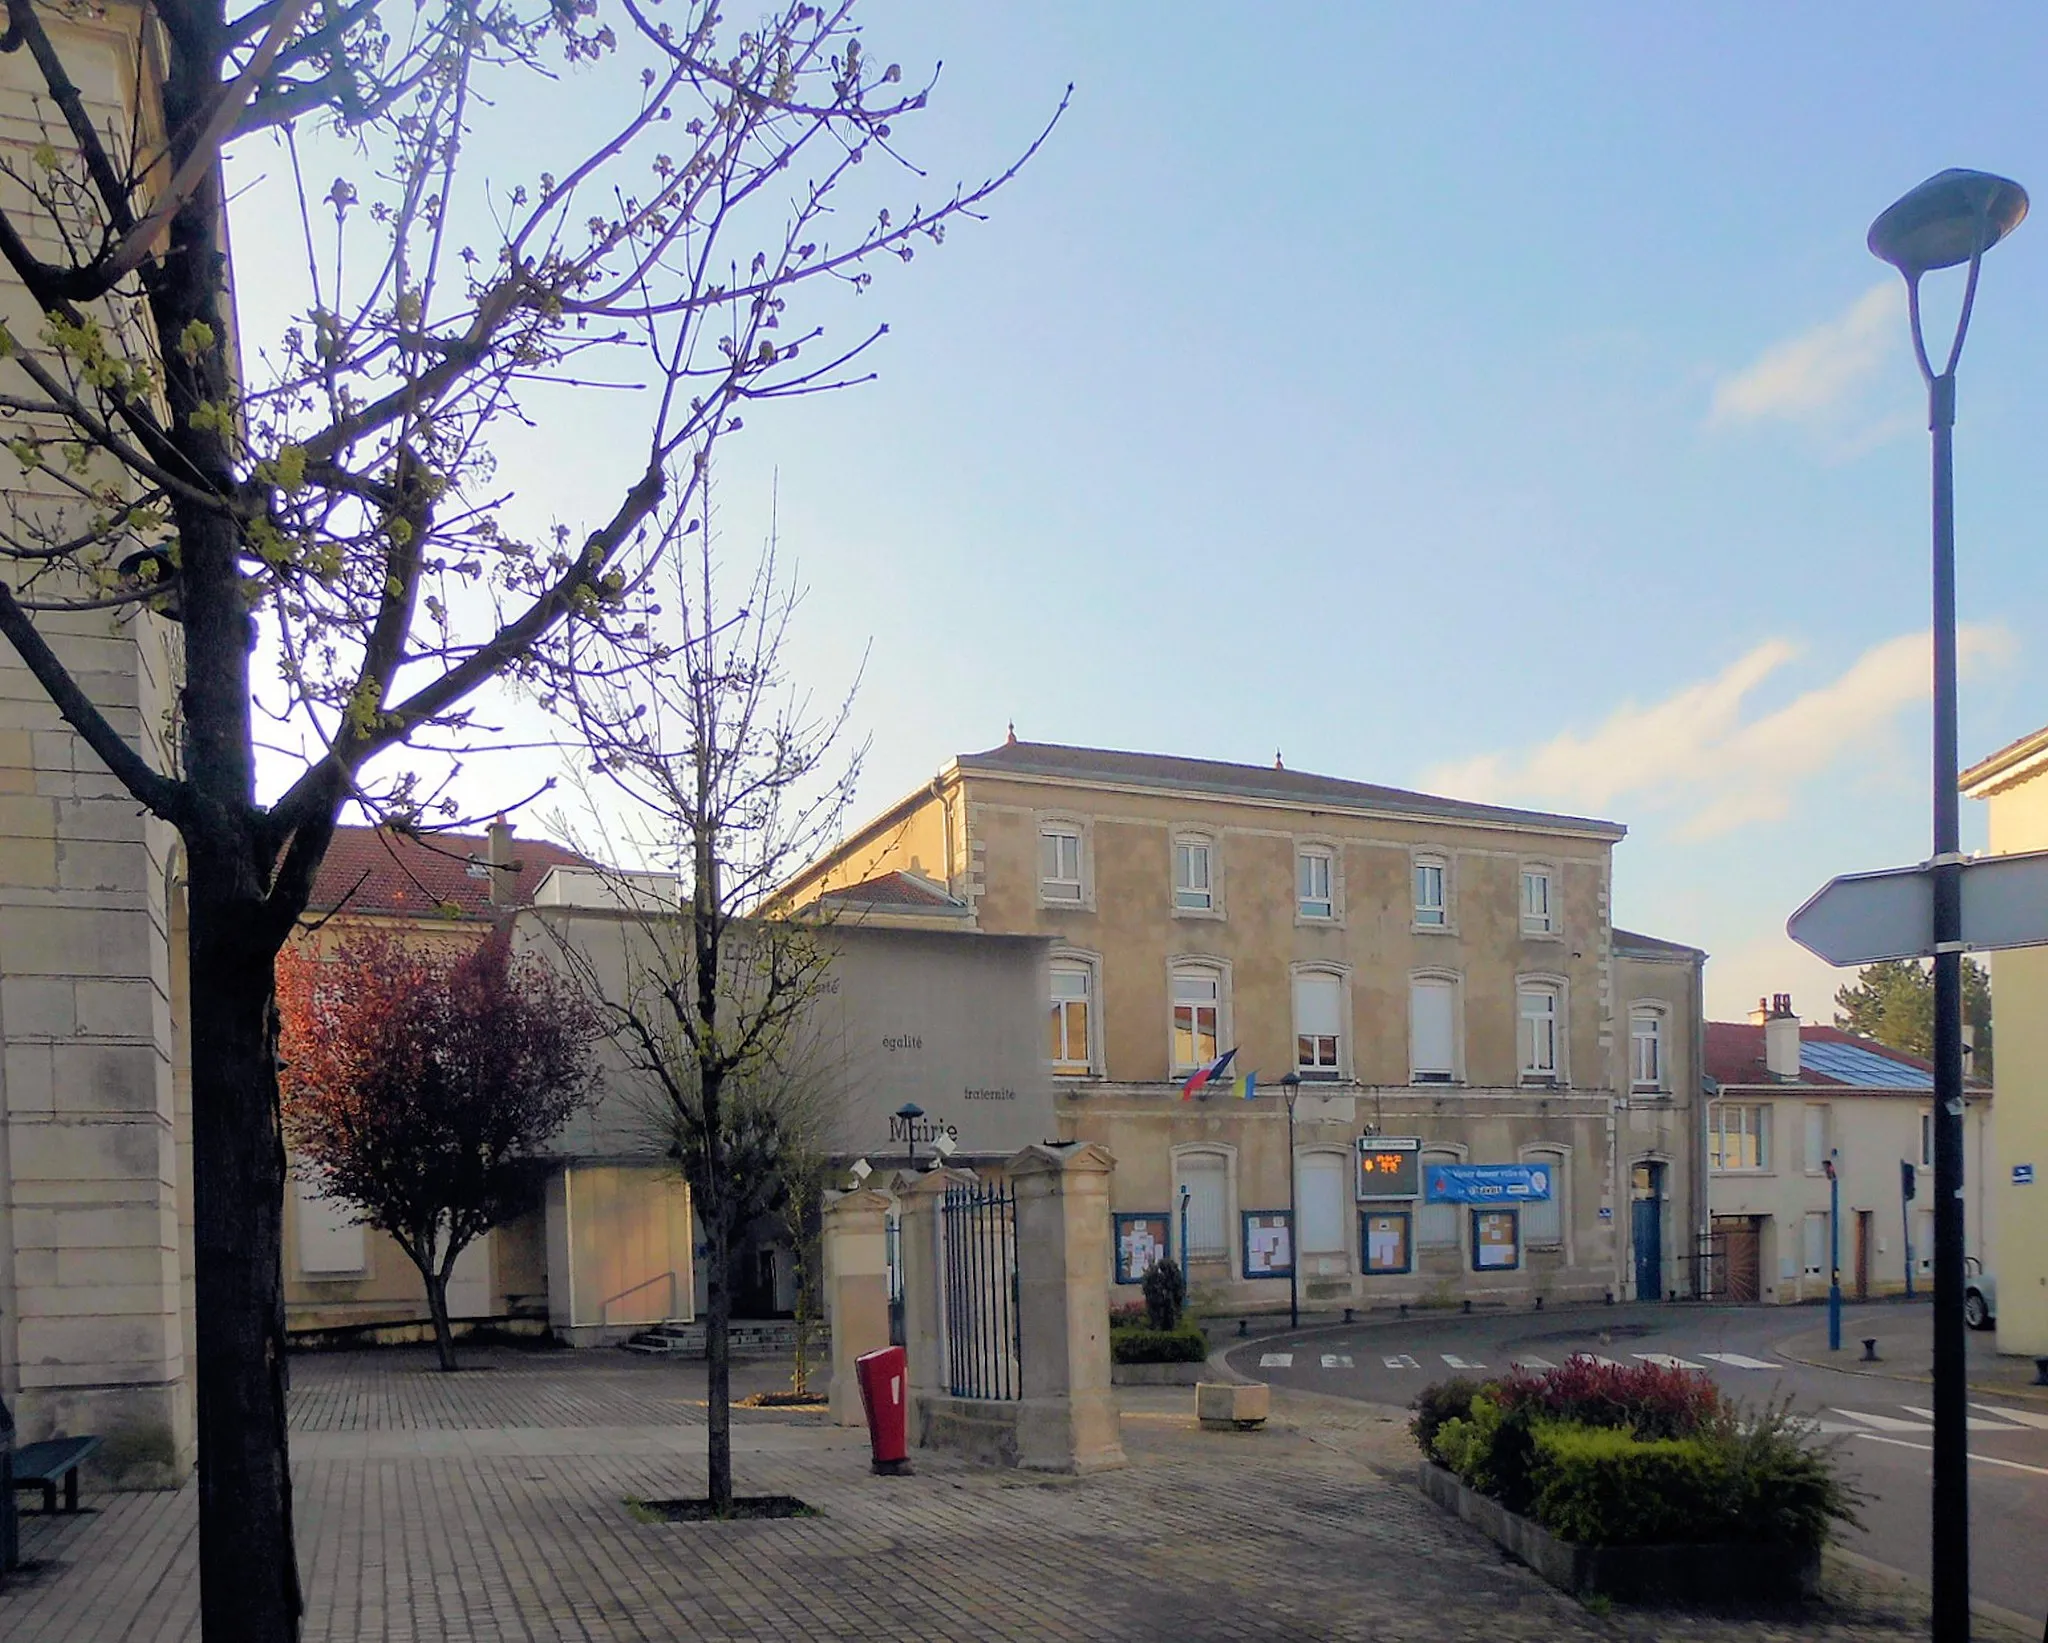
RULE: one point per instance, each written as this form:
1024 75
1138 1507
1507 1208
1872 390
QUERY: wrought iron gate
982 1343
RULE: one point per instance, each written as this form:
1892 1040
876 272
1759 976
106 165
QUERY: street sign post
1860 918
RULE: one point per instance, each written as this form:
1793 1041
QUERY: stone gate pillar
1067 1419
856 1258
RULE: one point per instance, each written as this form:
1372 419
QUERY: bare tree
732 775
331 492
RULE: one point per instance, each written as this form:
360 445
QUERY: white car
1980 1295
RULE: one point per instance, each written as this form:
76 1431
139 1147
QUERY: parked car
1980 1295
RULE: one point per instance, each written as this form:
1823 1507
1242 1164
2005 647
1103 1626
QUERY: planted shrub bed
1139 1343
1606 1456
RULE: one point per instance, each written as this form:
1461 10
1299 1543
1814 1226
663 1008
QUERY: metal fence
982 1345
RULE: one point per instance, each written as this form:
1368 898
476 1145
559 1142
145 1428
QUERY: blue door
1648 1230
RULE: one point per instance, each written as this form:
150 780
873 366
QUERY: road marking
1336 1360
1738 1360
1277 1360
1884 1423
1402 1361
1988 1460
1457 1362
1664 1360
2025 1416
1972 1422
1534 1363
1594 1357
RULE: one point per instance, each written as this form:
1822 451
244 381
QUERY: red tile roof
1735 1055
376 870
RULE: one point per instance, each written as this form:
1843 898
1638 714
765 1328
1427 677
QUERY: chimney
503 868
1761 1014
1781 1038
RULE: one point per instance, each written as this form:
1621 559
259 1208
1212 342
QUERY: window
1927 1140
1539 913
1319 1192
1315 883
1193 889
1923 1240
1197 1016
1204 1179
1646 1049
1059 863
1318 1017
1538 1036
1432 1030
1814 1244
1436 1225
1543 1218
1817 1137
1431 912
1738 1138
1072 991
331 1242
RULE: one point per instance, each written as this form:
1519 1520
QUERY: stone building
1435 973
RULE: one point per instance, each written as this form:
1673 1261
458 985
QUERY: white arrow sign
1862 917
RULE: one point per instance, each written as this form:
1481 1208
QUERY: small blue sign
2023 1175
1485 1183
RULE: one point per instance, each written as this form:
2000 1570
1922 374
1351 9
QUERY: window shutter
1320 1193
1436 1225
1432 1029
1318 1005
1208 1233
1543 1218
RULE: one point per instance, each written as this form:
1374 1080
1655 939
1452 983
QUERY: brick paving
493 1506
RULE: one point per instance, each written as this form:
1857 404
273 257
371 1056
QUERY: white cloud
1808 378
1703 751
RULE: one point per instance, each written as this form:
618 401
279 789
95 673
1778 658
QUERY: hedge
1187 1344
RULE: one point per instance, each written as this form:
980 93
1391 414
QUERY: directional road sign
1862 917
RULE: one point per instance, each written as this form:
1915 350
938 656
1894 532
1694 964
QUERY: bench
41 1465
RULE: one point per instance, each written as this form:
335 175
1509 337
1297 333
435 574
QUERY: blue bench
43 1465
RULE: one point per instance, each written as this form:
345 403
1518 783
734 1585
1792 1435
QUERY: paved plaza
494 1505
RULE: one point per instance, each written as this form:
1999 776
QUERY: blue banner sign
1484 1183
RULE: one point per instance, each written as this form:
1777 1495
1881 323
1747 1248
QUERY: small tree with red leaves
418 1084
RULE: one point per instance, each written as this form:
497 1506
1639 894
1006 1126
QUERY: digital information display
1389 1166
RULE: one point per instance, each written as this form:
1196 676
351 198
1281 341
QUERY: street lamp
1292 1085
1834 1254
1950 219
910 1112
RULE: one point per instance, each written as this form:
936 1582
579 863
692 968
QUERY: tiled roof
896 890
1735 1055
376 870
1641 946
1092 764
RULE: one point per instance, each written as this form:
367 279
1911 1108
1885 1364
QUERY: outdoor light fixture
1952 218
944 1145
1292 1085
861 1170
910 1112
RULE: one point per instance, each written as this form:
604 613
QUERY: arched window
1544 1219
1073 1016
1320 1181
1647 1072
1436 1225
1433 1028
1199 1004
1319 1035
1196 874
1201 1229
1540 1029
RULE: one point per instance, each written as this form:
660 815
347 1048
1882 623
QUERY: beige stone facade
1432 970
95 1160
2014 783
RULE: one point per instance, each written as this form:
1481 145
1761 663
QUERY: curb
2024 1393
1980 1607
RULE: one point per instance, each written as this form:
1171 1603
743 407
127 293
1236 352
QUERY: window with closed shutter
1436 1225
1543 1218
331 1242
1204 1177
1318 1017
1319 1192
1432 1030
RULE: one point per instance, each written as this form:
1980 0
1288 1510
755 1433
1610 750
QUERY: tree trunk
437 1309
248 1570
718 1361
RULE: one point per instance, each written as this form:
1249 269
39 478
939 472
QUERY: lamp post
1834 1254
1950 219
910 1112
1292 1085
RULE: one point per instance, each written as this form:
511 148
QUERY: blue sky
1497 399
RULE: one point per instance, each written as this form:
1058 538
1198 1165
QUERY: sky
1494 400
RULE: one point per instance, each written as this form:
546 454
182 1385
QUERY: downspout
1703 1089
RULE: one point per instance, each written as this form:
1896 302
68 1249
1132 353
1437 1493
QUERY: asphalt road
1884 1423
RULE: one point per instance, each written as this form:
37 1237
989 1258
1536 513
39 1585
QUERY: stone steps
749 1338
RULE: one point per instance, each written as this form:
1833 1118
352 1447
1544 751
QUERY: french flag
1204 1075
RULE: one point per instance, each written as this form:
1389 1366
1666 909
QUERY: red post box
885 1394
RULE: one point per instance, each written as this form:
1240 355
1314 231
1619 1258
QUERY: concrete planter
1684 1574
1240 1404
1157 1374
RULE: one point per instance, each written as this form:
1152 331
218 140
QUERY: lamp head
861 1169
1953 216
944 1145
909 1110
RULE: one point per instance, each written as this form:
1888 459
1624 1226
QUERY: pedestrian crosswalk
1460 1363
1911 1418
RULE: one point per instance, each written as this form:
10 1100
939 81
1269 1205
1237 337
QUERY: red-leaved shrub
1651 1400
